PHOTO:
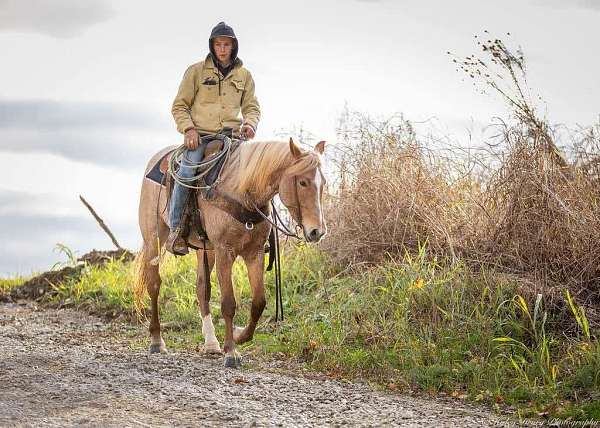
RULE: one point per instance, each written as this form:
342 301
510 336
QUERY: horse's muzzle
314 234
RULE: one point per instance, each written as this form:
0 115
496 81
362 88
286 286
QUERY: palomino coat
208 102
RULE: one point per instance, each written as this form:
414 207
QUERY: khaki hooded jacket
208 102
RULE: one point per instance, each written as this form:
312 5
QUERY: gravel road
65 368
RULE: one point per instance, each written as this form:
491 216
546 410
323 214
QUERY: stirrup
172 240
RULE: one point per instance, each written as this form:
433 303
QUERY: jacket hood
223 30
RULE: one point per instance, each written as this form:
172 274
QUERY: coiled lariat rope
203 168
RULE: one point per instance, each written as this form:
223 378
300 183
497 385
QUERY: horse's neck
230 179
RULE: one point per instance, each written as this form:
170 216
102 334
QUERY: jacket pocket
208 93
235 92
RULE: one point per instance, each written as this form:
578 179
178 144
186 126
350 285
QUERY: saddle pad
158 171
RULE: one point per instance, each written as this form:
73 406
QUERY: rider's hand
191 139
247 131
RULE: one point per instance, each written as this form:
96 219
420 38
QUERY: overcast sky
86 89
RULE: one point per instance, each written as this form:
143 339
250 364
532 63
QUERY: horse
252 175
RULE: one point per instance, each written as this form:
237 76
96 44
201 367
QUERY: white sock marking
208 330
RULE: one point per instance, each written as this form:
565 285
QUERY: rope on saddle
203 167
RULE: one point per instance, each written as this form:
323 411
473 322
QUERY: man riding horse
210 98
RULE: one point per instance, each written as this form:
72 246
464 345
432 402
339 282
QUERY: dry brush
522 206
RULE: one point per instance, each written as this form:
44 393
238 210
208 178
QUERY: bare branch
101 223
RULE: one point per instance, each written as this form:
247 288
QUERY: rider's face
223 47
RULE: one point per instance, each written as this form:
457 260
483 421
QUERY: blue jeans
180 193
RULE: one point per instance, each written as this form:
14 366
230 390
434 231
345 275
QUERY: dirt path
63 367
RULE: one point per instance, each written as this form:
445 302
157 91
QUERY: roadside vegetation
471 272
413 324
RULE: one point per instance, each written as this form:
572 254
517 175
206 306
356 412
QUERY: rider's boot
179 206
175 243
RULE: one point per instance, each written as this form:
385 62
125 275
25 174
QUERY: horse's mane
261 159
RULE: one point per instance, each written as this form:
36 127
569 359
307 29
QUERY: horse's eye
303 183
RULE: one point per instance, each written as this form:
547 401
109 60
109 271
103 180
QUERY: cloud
586 4
99 133
13 203
28 239
32 224
27 228
56 18
9 199
562 4
58 115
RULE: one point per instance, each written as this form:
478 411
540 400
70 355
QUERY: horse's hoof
233 361
211 348
158 348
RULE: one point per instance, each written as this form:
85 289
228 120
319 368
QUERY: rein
275 250
277 219
274 246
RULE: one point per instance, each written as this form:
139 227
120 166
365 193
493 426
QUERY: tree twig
101 223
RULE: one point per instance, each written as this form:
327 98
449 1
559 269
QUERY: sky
86 89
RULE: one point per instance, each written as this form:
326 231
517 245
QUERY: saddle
193 230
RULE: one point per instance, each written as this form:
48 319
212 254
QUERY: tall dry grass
393 194
530 209
544 218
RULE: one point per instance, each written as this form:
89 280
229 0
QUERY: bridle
277 218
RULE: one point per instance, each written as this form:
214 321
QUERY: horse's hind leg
157 344
211 343
255 265
154 230
149 277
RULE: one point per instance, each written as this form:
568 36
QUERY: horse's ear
320 147
295 149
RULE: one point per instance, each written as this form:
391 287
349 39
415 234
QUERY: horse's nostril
314 235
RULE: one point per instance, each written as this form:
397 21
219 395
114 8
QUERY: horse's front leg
255 264
211 343
224 261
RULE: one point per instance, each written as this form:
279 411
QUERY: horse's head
301 190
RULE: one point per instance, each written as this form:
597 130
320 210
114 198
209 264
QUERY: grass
413 324
6 284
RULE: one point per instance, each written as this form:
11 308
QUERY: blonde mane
261 159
